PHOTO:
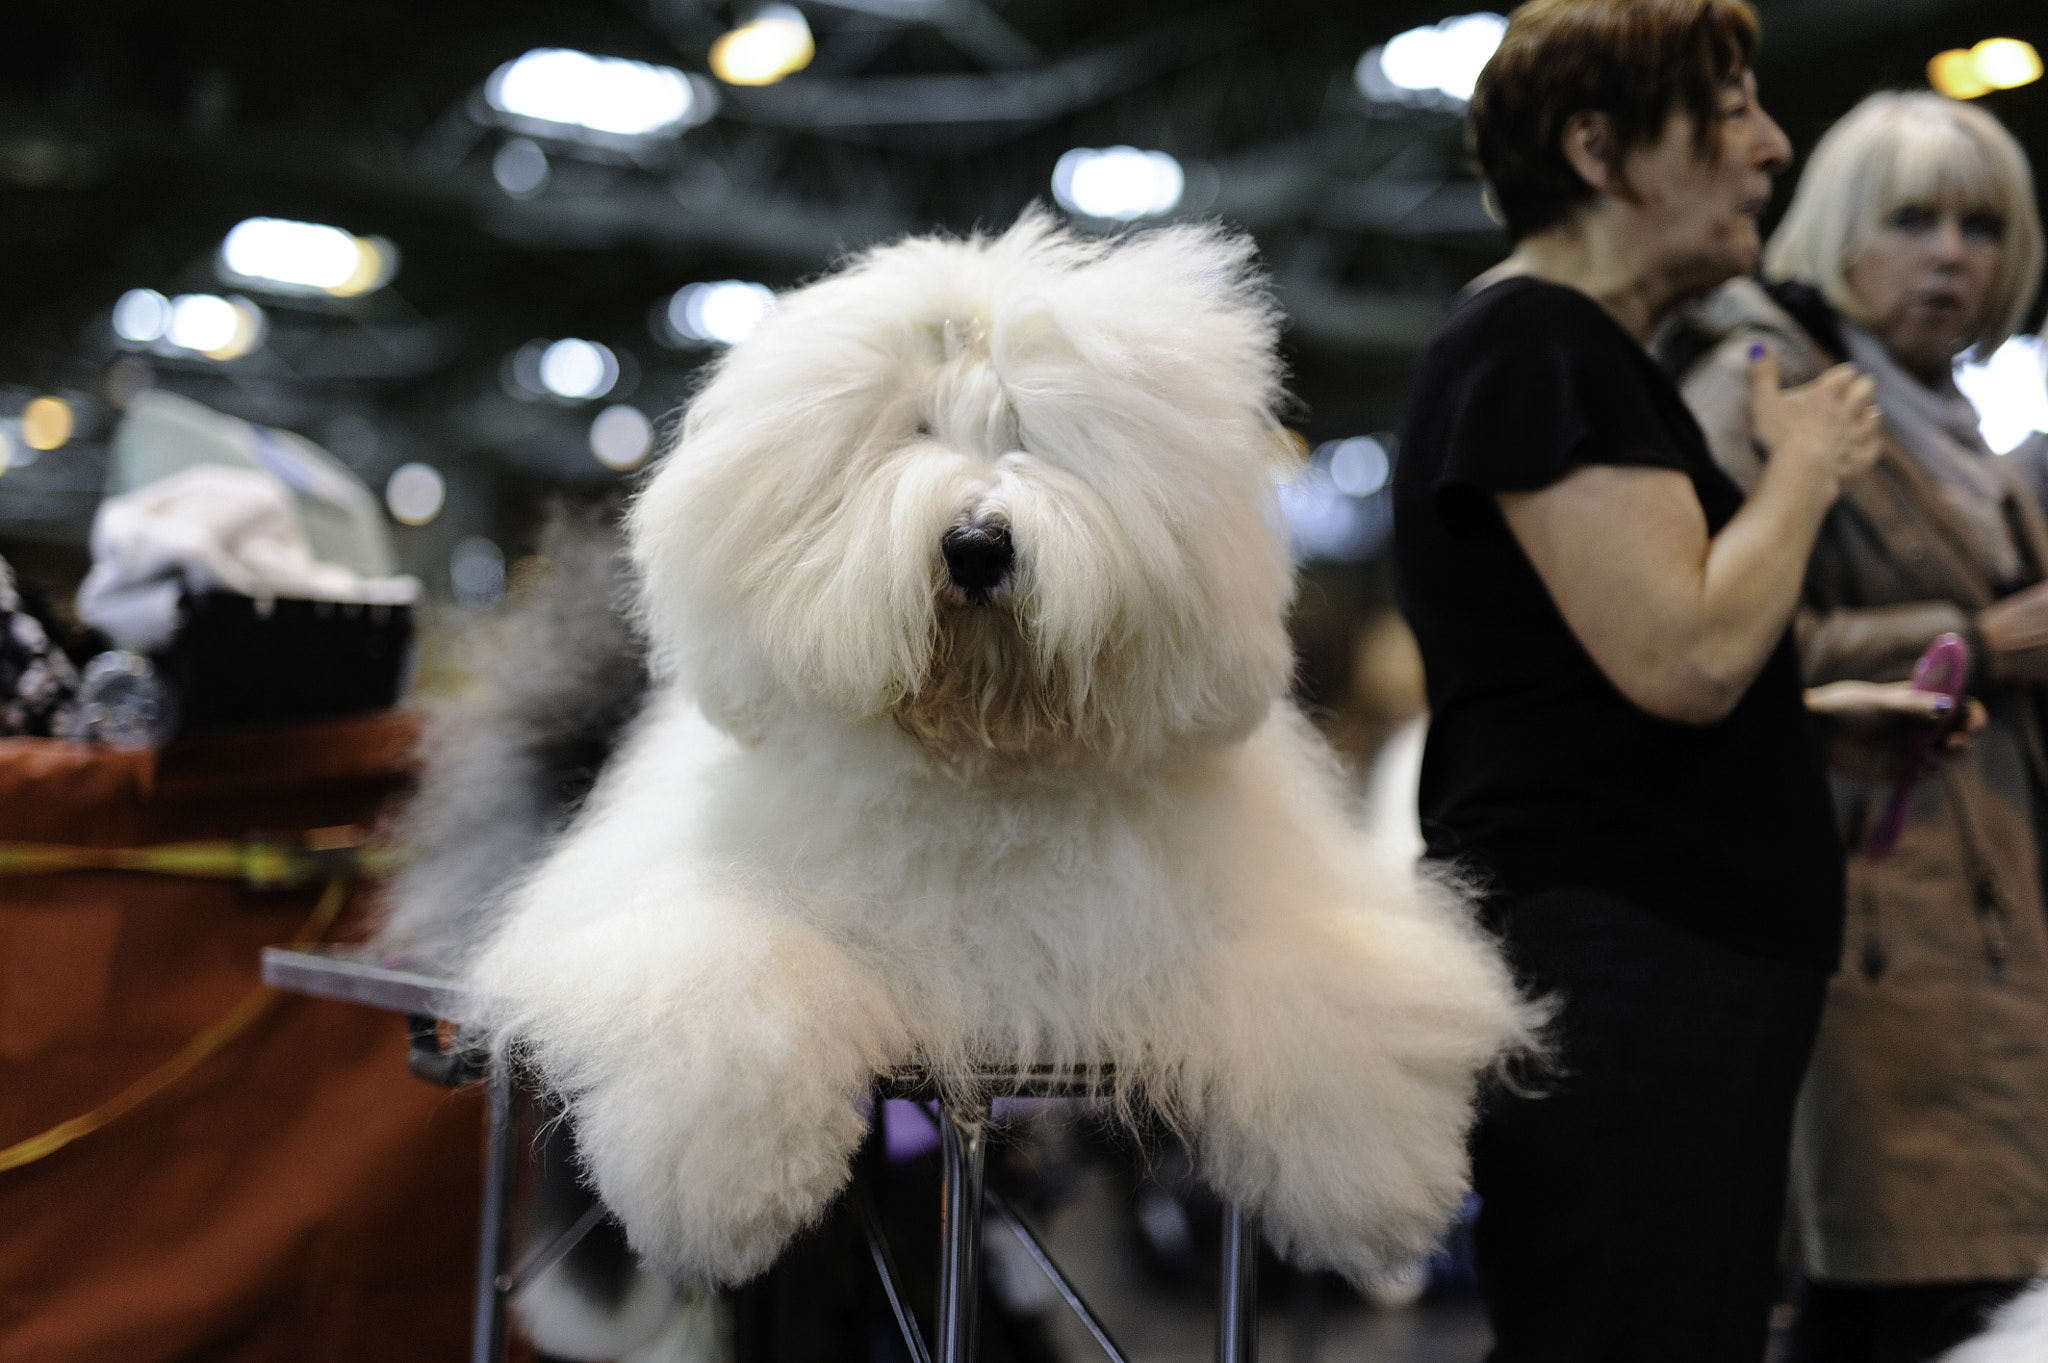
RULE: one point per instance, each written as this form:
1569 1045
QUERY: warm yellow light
367 275
763 50
1994 64
1954 73
248 330
2006 63
46 423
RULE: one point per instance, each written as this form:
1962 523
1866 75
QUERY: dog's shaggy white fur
2017 1334
876 815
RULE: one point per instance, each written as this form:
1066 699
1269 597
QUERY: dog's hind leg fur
1348 1011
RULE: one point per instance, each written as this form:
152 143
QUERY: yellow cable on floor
264 861
216 858
206 1044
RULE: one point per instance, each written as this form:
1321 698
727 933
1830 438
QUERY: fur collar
1795 316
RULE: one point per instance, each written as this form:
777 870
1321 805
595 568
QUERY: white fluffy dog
970 747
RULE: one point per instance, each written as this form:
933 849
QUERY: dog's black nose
978 558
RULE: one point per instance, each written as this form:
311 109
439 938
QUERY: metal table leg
494 1253
963 1152
1237 1302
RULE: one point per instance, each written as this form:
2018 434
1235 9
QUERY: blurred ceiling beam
997 97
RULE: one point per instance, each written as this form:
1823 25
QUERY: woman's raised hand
1830 426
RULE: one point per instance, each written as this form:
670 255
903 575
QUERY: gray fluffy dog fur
509 759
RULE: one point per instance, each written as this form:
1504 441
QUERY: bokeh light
304 257
218 328
774 43
415 493
1436 61
621 437
722 312
1994 64
2009 391
141 316
47 423
476 571
578 370
521 168
1118 183
1358 466
605 94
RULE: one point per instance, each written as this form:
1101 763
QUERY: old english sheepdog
969 746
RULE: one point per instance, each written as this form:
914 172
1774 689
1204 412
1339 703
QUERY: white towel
208 527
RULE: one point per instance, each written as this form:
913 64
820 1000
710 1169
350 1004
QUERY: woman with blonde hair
1919 1178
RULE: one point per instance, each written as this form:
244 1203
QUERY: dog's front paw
710 1192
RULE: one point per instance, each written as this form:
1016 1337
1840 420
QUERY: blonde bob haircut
1900 149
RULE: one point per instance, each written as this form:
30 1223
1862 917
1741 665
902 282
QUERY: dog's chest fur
1034 888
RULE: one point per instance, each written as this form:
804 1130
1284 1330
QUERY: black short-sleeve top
1538 774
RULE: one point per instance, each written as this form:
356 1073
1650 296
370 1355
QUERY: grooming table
354 976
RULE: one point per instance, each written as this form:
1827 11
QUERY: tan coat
1920 1152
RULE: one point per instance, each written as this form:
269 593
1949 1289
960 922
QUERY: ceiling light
305 257
771 45
604 94
1954 73
621 437
140 315
2009 391
724 312
1441 60
415 493
1117 183
2007 63
46 423
1994 64
218 328
199 323
578 370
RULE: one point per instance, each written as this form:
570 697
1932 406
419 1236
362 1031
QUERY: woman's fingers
1833 419
1899 700
1764 395
1975 717
1851 399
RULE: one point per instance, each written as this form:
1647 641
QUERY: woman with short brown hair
1618 749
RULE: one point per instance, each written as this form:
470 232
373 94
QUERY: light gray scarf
1938 428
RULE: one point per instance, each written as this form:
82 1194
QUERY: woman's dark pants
1631 1205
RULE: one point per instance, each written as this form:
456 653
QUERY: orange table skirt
299 1196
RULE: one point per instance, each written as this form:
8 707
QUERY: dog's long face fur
1012 494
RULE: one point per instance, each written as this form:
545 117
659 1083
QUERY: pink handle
1944 667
